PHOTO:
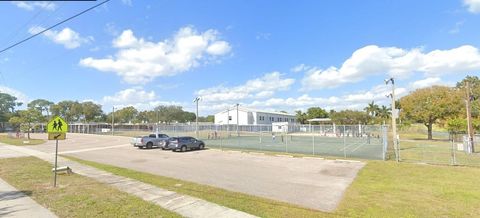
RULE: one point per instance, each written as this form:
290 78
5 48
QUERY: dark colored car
185 143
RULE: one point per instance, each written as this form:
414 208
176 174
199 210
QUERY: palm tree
384 112
372 109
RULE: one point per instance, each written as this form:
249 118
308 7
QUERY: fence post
344 143
454 158
286 143
313 144
385 141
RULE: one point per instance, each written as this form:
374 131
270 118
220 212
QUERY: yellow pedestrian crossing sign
57 125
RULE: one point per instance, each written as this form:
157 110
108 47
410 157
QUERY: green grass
388 189
75 196
20 141
381 189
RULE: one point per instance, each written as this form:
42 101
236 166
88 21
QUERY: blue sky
271 55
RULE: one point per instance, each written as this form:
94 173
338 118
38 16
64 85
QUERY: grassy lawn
382 189
14 141
76 196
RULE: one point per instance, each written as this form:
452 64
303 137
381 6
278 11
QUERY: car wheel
201 146
184 148
149 145
163 148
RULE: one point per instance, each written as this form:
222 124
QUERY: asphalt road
308 182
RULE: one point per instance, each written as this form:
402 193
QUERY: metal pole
113 119
196 120
313 144
344 143
394 122
56 154
237 121
228 122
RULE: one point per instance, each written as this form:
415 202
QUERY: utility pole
113 118
237 120
196 100
394 120
228 121
158 118
469 116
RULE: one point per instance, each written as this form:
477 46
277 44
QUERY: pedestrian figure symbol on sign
59 123
54 125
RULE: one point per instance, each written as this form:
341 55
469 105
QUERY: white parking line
93 149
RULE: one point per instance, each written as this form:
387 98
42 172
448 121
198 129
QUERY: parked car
185 143
150 141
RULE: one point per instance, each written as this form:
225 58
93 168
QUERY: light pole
237 120
228 121
196 100
113 118
394 119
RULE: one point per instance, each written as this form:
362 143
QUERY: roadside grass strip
381 189
75 195
20 141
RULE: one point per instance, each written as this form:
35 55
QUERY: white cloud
262 87
130 96
300 68
139 61
426 83
30 6
399 63
456 28
473 5
21 97
136 97
66 37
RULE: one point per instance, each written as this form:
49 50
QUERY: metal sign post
57 130
56 155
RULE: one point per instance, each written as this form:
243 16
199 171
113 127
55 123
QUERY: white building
248 116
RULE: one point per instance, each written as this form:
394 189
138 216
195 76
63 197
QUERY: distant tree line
441 105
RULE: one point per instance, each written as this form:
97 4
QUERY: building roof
234 108
320 120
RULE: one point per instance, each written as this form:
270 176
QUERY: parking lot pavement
79 142
307 182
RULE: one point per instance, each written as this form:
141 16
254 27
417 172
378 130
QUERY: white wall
251 118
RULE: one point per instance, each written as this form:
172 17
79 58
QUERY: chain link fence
445 149
346 141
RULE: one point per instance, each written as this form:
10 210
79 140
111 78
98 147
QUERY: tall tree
384 113
428 105
8 103
316 112
349 117
372 109
125 115
91 111
301 117
26 119
69 110
41 105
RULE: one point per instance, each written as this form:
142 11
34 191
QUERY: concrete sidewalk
14 203
184 205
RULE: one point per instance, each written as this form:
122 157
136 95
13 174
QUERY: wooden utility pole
469 116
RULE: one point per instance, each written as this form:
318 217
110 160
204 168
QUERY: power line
51 27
